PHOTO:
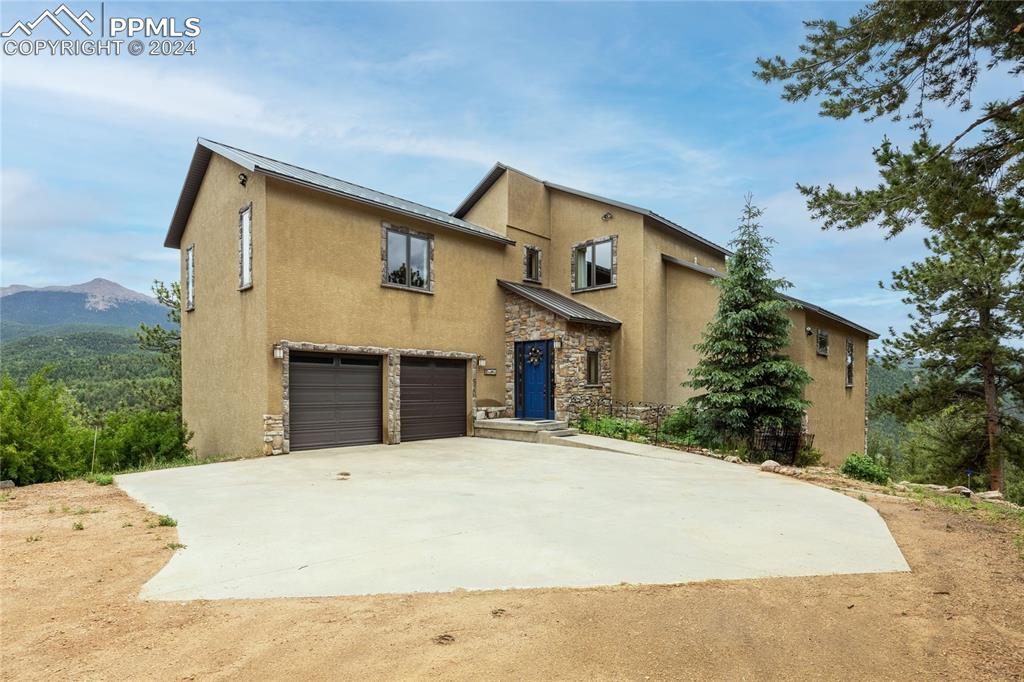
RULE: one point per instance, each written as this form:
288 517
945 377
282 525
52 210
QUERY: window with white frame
849 363
190 277
245 247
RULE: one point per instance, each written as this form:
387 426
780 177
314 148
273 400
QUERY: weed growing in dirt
126 524
82 510
100 479
33 538
77 525
4 497
862 497
175 545
51 509
166 521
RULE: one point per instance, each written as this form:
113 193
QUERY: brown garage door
433 398
334 400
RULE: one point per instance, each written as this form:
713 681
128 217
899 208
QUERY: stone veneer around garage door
527 321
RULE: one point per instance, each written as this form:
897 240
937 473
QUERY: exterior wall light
607 216
242 179
278 352
808 330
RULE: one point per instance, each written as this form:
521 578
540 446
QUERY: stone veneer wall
526 321
276 427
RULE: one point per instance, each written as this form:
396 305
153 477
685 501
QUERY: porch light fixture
242 179
607 216
808 330
278 352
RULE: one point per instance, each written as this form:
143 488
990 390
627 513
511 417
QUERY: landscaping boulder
6 484
770 465
733 459
990 495
901 487
961 490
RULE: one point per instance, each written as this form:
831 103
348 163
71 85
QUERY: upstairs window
245 247
531 263
407 259
593 367
849 363
822 342
593 264
190 277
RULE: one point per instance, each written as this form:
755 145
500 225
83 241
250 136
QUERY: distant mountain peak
102 293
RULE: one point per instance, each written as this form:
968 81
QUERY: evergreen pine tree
747 382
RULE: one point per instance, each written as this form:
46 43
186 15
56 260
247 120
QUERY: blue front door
533 373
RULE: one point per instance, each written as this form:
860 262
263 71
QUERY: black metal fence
781 445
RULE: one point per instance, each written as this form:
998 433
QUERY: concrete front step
521 430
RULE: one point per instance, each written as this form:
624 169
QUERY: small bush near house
681 427
808 456
613 427
865 468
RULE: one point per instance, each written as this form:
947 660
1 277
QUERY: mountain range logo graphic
53 16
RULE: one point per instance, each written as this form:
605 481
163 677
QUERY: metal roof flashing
257 163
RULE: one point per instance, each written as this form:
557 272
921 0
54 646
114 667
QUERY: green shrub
40 439
808 456
100 479
613 427
865 468
135 439
680 423
166 521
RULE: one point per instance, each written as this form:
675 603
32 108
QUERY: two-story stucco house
319 313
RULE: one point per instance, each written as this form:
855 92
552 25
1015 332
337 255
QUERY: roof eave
366 202
809 306
479 191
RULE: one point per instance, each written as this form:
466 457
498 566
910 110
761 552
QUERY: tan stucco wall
491 210
528 204
325 285
836 416
225 356
690 303
577 219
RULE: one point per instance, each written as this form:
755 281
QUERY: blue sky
648 103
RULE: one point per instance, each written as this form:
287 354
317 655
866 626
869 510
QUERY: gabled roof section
256 163
496 171
560 305
804 304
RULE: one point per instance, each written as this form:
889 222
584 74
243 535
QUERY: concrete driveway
484 514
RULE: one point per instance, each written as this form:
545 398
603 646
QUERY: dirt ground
69 611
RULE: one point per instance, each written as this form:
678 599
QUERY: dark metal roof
711 272
492 177
257 163
560 305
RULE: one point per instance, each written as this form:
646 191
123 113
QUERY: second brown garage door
433 398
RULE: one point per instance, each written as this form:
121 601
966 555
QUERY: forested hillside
104 369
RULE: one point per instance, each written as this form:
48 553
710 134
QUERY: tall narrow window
190 277
593 265
849 363
822 342
593 367
531 263
408 260
245 248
